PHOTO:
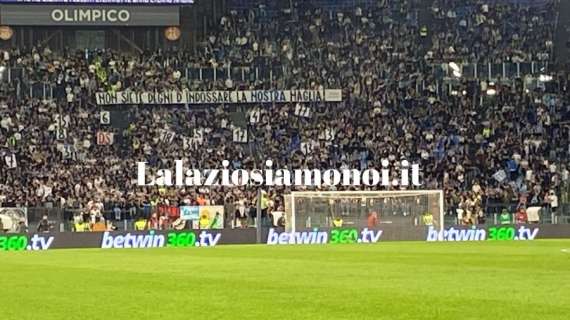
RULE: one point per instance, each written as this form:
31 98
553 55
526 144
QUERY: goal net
322 209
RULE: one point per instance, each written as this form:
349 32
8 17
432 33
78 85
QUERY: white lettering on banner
319 237
152 240
479 234
40 243
209 97
90 15
149 240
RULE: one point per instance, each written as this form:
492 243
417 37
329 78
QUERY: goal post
320 209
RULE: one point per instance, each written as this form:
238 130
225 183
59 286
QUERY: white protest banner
209 97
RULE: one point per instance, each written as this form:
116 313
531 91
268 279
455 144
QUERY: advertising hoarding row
214 237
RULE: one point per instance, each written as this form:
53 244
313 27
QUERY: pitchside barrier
276 236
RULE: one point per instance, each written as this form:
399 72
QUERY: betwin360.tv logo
482 234
334 236
152 239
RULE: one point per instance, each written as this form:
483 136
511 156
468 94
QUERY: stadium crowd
493 31
512 148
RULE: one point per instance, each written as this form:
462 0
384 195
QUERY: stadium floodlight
318 209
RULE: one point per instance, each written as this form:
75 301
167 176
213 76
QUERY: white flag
500 175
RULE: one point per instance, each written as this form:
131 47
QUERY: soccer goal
322 209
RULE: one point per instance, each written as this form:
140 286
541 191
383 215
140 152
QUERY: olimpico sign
102 1
90 15
100 15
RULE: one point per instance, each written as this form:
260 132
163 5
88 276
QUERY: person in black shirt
44 225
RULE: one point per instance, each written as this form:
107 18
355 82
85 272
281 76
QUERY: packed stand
371 54
493 31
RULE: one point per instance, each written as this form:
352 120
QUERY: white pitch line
565 250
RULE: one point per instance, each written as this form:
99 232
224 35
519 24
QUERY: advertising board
275 236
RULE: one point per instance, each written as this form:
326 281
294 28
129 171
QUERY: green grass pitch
390 280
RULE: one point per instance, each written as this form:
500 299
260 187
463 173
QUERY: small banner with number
105 117
105 138
240 135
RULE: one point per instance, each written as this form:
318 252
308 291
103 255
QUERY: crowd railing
27 87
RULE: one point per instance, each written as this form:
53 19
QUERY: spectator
505 217
372 220
44 225
99 225
393 107
521 217
552 200
80 225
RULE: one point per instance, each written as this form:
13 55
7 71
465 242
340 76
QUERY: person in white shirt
553 201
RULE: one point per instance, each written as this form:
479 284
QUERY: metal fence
62 219
44 90
491 71
560 215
